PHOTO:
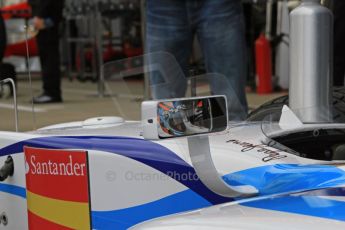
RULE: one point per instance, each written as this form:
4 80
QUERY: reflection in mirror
178 118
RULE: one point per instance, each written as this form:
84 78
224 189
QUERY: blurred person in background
47 17
219 26
3 38
6 70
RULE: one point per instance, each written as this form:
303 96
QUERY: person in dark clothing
339 42
3 38
219 26
47 17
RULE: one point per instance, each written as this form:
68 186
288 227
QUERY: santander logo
49 167
27 167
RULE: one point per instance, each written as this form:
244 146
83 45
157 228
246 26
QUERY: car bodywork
133 180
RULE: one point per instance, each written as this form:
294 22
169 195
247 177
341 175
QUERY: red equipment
263 65
20 10
19 49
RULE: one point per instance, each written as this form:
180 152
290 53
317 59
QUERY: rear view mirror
184 117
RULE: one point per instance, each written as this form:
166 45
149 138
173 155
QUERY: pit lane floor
81 102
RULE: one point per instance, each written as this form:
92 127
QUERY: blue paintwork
125 218
282 178
13 190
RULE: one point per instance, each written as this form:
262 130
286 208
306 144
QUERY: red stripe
38 223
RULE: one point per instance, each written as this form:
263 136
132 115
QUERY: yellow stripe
73 215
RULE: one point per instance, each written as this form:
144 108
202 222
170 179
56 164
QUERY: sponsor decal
270 154
52 168
57 193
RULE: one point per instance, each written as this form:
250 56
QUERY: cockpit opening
318 144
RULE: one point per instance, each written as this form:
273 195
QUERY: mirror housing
172 118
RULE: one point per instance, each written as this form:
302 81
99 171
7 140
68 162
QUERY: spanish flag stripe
70 214
38 223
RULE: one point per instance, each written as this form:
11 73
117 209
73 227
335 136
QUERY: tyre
275 106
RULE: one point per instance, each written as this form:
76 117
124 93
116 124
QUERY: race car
183 165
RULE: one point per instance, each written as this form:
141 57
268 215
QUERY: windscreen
123 85
154 76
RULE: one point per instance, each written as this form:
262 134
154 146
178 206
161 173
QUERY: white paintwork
126 129
99 122
138 182
16 211
91 123
68 125
232 216
288 119
9 138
